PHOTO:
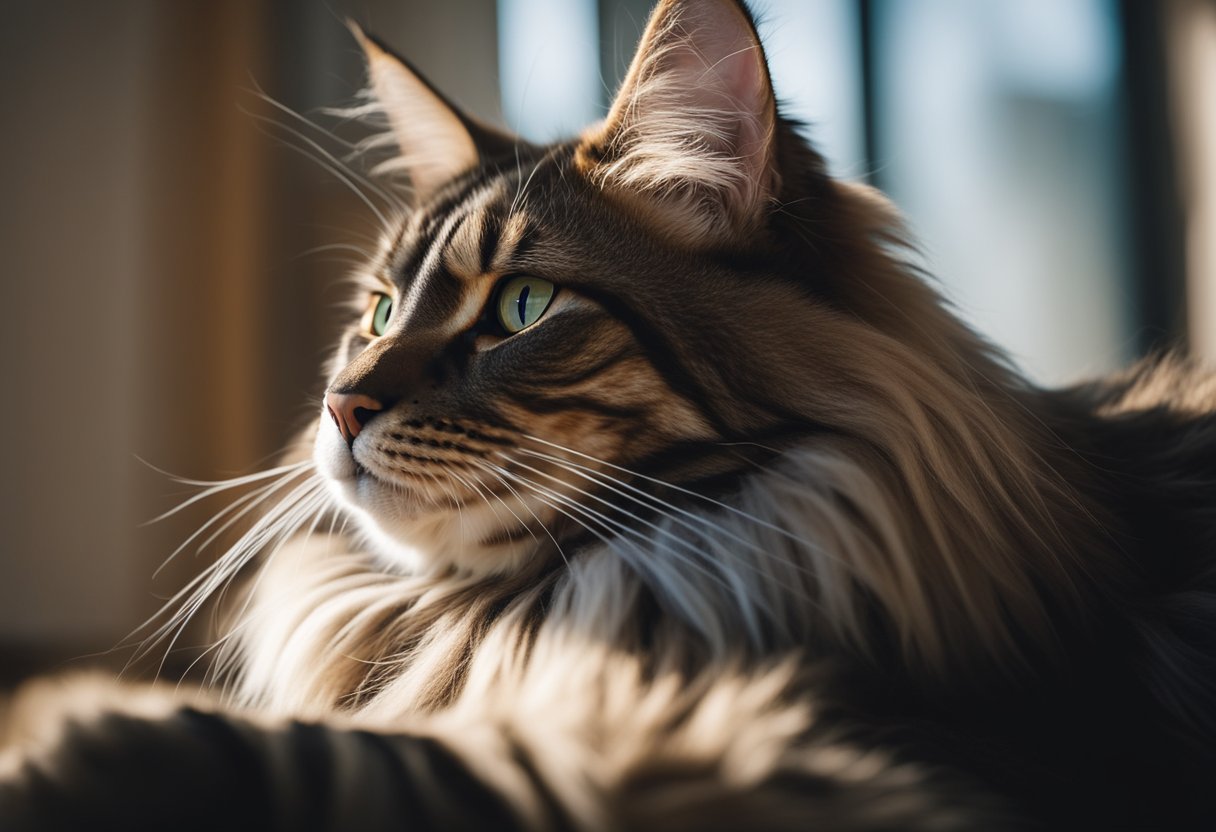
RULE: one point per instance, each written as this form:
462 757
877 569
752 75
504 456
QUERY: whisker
314 505
229 567
321 505
259 92
365 256
254 499
492 469
217 486
485 493
635 518
521 191
281 519
642 563
333 168
389 198
686 519
607 541
273 514
620 526
687 491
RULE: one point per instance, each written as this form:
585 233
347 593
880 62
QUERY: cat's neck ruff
801 558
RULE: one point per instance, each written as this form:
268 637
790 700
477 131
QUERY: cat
653 487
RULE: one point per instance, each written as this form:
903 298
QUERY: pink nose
351 411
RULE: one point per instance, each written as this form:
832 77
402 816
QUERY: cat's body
735 527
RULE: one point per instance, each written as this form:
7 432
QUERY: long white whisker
217 486
589 495
314 505
692 521
333 168
189 591
619 526
485 493
179 609
391 199
492 469
307 122
696 523
610 542
642 563
522 191
253 499
235 558
278 528
733 509
322 504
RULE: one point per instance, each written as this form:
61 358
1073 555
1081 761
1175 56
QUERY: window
997 127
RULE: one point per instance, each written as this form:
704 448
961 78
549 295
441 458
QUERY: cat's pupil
523 305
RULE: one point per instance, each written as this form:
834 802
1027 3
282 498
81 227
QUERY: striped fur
748 531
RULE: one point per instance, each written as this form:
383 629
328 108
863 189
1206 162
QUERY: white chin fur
408 532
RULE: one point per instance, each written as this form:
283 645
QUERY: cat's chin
441 540
414 531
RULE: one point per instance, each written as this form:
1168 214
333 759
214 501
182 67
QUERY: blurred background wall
172 242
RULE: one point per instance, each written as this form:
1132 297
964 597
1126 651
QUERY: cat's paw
34 718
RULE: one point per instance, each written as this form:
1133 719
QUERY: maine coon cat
669 495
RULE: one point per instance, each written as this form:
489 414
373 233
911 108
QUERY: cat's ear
690 137
437 141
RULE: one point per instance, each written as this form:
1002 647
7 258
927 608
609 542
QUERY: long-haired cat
654 489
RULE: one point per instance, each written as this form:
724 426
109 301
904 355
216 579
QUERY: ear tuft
433 136
690 136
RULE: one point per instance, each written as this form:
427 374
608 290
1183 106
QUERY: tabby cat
653 488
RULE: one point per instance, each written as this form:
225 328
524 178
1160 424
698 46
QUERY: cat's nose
351 411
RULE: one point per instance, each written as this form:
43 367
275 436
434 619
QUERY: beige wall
75 88
155 304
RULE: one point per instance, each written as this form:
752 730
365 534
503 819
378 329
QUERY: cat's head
554 325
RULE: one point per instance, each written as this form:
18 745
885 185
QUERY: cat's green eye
375 319
521 302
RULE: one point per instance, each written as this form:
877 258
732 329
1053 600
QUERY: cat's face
550 317
496 327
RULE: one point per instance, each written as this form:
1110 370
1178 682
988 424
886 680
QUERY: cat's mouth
372 476
375 486
430 510
354 477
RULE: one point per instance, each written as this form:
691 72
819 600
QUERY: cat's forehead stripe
512 242
416 237
436 289
459 195
465 253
